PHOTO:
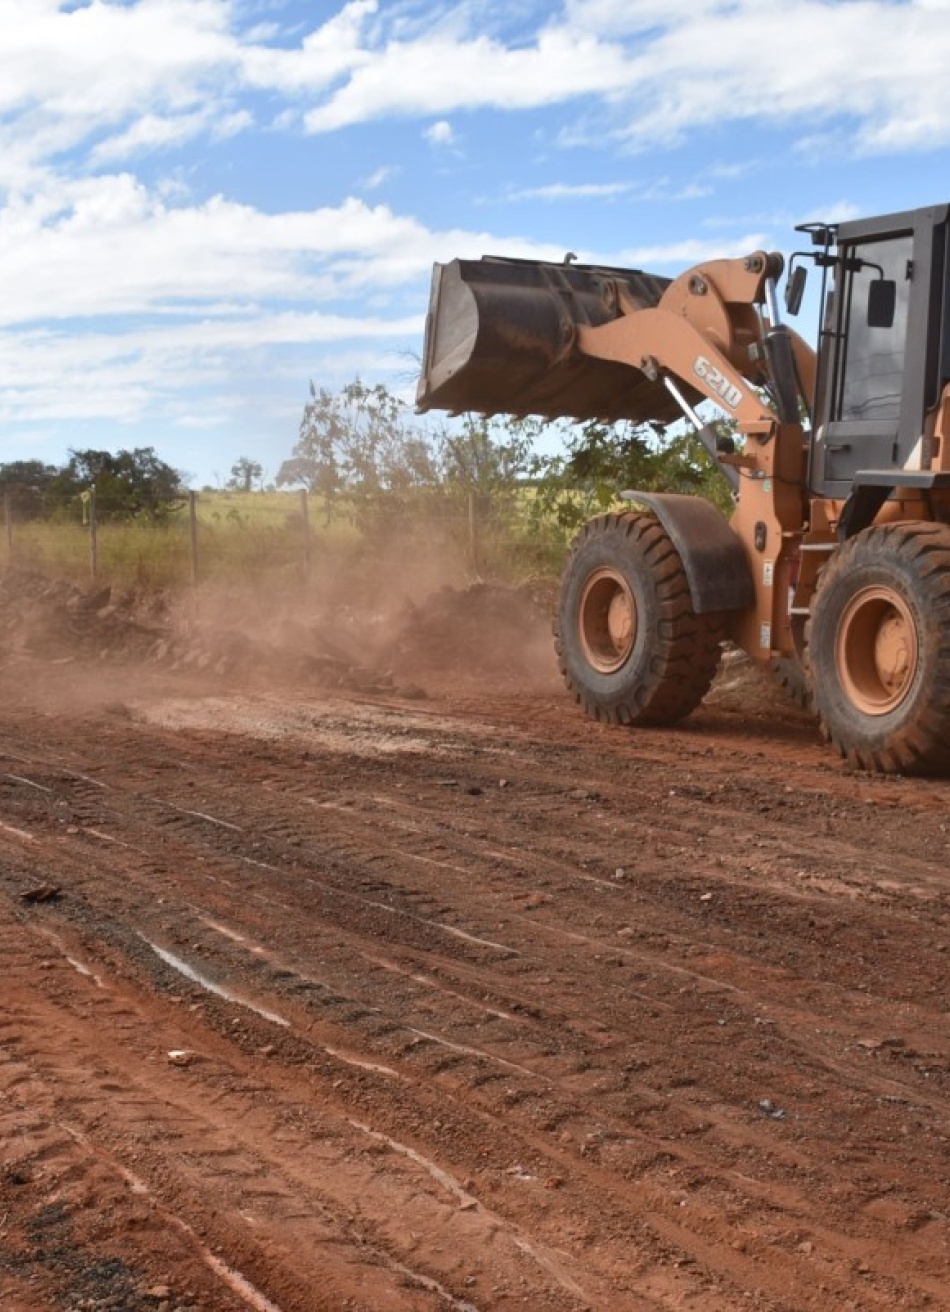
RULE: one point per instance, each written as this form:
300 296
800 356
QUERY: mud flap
715 563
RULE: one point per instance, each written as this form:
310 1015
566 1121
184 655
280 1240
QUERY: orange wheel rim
608 620
877 650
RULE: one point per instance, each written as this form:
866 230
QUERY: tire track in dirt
400 875
220 1104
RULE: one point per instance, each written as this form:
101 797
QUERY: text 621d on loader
837 555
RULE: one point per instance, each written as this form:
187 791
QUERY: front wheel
879 648
632 649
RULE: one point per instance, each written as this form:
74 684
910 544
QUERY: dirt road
321 1001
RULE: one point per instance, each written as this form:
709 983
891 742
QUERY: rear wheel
632 649
879 648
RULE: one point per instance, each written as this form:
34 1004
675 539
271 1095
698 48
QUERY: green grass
240 537
258 537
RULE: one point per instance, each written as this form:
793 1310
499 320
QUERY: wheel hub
607 620
877 650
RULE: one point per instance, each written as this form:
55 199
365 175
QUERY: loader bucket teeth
500 338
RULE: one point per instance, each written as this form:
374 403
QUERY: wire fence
256 537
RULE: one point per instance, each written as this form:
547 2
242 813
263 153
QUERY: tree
244 474
490 455
599 460
130 484
25 484
359 451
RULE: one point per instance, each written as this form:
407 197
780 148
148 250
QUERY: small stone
42 893
768 1108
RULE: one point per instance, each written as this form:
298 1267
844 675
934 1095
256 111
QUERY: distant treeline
128 485
364 456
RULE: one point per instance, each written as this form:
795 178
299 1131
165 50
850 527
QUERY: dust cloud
401 623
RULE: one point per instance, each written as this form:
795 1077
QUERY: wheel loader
835 560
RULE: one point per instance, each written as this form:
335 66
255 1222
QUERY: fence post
8 522
473 530
193 534
305 520
93 534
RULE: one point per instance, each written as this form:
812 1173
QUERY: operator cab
884 352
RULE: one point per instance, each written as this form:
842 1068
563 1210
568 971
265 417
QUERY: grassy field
257 537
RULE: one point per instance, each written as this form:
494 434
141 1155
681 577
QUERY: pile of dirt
487 629
54 620
483 629
485 633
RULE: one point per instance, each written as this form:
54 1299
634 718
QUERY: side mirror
882 302
795 288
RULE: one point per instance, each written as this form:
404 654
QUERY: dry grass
258 538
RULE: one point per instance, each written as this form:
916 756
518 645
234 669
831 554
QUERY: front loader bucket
500 338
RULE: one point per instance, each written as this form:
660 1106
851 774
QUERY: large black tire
790 675
631 648
879 649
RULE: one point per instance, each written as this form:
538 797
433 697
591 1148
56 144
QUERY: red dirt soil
317 998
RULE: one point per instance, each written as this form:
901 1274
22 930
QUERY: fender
713 556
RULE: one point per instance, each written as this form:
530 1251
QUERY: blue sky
205 204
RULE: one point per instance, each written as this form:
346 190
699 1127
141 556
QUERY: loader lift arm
707 332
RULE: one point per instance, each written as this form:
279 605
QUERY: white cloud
91 67
385 173
111 81
150 132
121 78
338 47
108 245
571 191
440 133
436 74
117 301
679 255
665 69
841 211
51 374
